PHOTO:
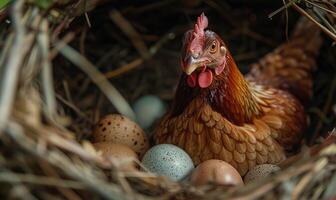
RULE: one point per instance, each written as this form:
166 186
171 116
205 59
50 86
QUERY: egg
119 129
123 155
260 171
216 171
148 109
168 160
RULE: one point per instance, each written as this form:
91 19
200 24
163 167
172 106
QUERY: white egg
148 109
260 171
168 160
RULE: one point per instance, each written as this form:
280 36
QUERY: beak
191 64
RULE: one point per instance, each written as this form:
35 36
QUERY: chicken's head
204 54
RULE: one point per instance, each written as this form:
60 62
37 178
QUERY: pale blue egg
148 109
168 160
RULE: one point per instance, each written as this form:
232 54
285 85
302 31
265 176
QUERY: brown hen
218 113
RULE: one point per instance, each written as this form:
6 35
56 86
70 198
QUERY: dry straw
41 159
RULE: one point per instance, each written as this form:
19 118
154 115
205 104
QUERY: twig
98 78
66 39
286 6
50 171
325 21
256 190
40 180
74 108
324 29
130 31
307 178
284 2
46 72
128 67
86 14
87 19
60 27
10 75
321 7
82 172
54 138
138 61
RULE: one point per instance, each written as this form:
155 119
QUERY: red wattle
191 80
205 78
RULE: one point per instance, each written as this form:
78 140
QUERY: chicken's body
249 120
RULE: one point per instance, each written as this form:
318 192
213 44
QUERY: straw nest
51 95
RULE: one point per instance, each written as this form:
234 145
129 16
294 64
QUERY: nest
55 84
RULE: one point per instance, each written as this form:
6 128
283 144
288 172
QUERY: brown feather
246 120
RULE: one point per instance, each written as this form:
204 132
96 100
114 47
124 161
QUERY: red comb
198 35
202 23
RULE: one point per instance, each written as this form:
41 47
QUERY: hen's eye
213 47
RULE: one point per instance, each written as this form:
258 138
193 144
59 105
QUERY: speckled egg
124 156
168 160
217 172
259 172
148 109
119 129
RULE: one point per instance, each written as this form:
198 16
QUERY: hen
217 113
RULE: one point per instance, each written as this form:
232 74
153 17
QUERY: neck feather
232 96
229 94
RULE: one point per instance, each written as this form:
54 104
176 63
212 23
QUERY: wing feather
207 135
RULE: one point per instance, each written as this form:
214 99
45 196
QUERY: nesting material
122 155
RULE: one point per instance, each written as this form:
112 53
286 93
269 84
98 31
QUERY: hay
44 127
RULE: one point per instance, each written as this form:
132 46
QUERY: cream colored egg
119 129
122 155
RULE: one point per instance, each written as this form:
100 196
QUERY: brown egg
119 129
216 171
124 156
